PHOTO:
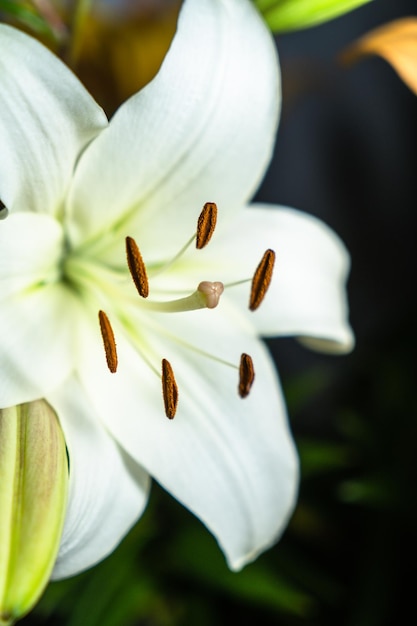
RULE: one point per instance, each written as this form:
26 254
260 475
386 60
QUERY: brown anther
4 212
108 341
261 280
246 375
206 224
137 267
169 389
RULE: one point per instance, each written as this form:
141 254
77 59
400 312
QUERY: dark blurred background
347 153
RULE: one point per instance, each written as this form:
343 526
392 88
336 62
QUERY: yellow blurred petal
396 42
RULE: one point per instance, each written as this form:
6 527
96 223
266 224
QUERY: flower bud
33 497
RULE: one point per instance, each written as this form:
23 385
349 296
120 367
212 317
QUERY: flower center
110 290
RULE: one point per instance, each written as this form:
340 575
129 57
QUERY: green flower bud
33 497
286 15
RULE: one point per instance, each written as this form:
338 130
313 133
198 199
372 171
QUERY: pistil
206 296
212 292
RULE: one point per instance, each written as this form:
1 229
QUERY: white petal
37 344
25 259
37 315
203 130
108 491
47 118
307 296
230 461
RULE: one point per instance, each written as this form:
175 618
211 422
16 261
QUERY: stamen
261 280
108 341
4 211
212 292
246 375
205 227
169 389
137 267
169 385
206 224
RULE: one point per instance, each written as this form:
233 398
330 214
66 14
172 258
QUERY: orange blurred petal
396 42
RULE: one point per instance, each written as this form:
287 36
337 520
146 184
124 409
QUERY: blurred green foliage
25 13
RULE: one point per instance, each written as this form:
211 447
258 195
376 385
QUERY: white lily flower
75 186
